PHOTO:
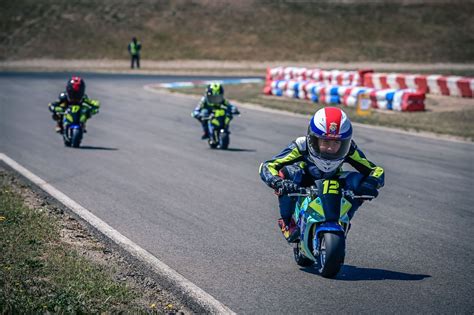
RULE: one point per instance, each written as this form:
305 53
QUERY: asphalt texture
143 169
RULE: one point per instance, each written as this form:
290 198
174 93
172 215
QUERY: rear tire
212 145
67 142
331 254
212 140
300 259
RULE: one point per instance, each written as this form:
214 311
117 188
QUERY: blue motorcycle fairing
329 227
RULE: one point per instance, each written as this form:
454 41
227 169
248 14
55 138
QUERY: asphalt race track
144 170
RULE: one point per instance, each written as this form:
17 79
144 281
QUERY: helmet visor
215 99
75 96
327 148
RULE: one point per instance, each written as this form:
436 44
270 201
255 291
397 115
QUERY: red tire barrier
433 84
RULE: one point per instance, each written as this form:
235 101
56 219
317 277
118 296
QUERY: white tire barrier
335 77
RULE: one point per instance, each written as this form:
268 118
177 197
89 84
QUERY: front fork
344 228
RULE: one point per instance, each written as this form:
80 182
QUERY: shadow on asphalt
353 273
88 147
240 150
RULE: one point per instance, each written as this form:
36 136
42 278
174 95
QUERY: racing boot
59 127
290 232
205 135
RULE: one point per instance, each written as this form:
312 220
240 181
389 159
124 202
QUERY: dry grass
238 30
50 264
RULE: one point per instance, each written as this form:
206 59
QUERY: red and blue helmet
329 125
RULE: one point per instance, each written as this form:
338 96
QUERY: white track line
185 286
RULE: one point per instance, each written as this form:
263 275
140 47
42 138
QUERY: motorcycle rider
320 155
74 95
213 99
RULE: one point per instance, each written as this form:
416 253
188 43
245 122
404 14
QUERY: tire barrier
387 99
336 77
433 84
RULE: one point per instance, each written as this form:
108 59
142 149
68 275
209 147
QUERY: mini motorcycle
321 216
73 125
219 134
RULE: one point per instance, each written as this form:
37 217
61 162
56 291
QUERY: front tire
224 141
331 254
76 137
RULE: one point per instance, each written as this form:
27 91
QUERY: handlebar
313 191
303 192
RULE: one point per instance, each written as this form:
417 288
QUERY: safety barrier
354 78
388 99
434 84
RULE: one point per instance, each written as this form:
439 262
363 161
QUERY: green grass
239 30
454 123
39 273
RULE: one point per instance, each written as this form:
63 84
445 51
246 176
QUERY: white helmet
329 138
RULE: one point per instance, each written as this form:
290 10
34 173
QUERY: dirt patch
215 67
440 103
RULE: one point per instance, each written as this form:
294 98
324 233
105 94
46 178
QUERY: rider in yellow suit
74 95
213 100
320 155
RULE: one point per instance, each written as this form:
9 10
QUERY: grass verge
450 116
43 270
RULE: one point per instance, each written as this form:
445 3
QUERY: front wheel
76 137
331 254
224 141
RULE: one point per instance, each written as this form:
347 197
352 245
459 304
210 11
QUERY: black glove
368 187
285 186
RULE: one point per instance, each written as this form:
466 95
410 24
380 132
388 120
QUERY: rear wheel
67 143
331 254
300 259
212 144
213 140
67 140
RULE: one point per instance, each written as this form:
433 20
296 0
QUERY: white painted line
185 286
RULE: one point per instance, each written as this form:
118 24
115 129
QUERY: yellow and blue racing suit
204 109
294 163
59 107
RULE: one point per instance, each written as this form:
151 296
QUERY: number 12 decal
330 187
